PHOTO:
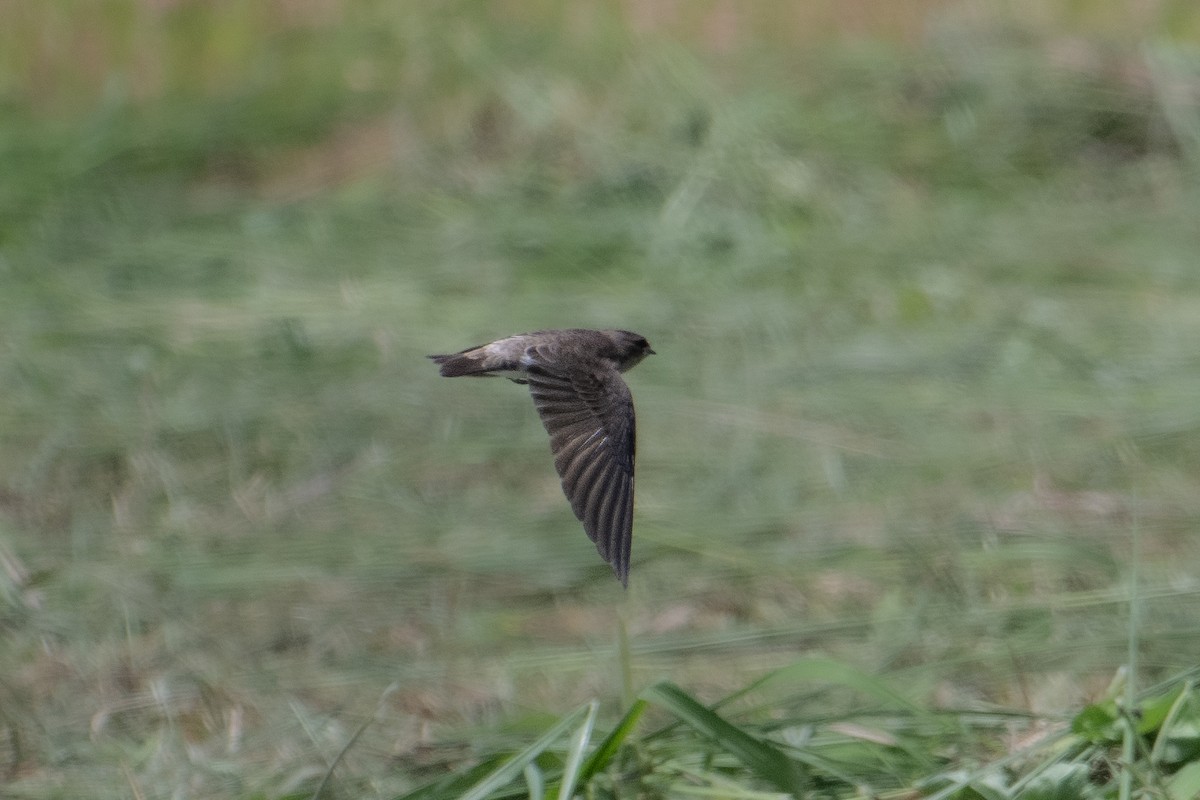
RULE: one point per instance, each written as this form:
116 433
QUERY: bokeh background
924 281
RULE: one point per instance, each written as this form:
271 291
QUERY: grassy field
924 288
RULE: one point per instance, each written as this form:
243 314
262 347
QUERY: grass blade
452 786
1185 783
533 779
612 743
1130 741
509 770
579 742
765 760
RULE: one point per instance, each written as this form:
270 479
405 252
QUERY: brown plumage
574 376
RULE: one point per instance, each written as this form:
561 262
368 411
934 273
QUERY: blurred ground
922 278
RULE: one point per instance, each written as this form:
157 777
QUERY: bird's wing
589 416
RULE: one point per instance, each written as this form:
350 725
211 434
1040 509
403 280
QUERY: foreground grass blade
608 748
1129 745
1186 782
509 770
765 760
579 742
451 787
533 780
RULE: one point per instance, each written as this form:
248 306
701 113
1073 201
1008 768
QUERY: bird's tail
455 365
469 362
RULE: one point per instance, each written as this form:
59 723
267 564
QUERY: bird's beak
650 351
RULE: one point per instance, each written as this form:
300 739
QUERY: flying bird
574 376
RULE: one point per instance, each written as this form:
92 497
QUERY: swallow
574 376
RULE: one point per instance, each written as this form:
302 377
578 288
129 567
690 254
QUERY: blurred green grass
926 309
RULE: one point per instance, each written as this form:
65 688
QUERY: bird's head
631 348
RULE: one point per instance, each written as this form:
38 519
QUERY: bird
574 377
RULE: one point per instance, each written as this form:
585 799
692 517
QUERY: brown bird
574 376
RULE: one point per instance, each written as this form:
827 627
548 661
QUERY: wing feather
589 416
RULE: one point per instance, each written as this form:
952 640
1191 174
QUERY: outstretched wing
589 416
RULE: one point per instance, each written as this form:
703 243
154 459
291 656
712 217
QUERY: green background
923 280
